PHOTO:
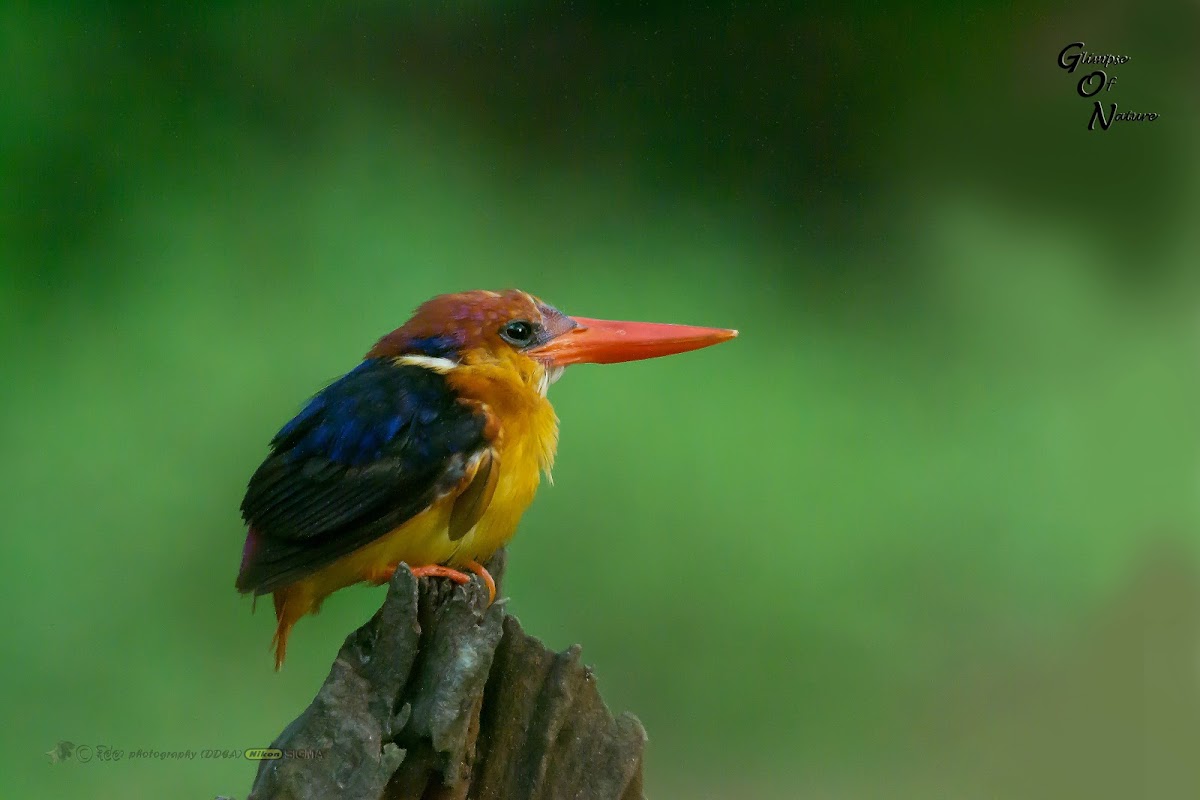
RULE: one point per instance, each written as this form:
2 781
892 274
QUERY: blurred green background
928 528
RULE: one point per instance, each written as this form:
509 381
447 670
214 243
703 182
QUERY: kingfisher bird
429 451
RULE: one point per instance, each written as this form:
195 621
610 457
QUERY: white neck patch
549 376
435 363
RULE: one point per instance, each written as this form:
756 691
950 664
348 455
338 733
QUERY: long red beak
602 341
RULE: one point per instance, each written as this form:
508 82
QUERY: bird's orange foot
486 577
438 571
381 575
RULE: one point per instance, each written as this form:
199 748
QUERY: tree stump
439 697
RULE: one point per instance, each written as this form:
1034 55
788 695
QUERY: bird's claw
486 577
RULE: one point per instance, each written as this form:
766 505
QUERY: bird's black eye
518 332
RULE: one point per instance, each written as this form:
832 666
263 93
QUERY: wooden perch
440 698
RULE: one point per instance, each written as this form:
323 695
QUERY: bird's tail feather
288 609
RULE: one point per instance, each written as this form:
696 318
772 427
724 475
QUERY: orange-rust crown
451 323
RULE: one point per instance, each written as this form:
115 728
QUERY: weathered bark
438 697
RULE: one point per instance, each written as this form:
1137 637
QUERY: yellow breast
514 395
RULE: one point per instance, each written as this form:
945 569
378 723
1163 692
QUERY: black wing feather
368 453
